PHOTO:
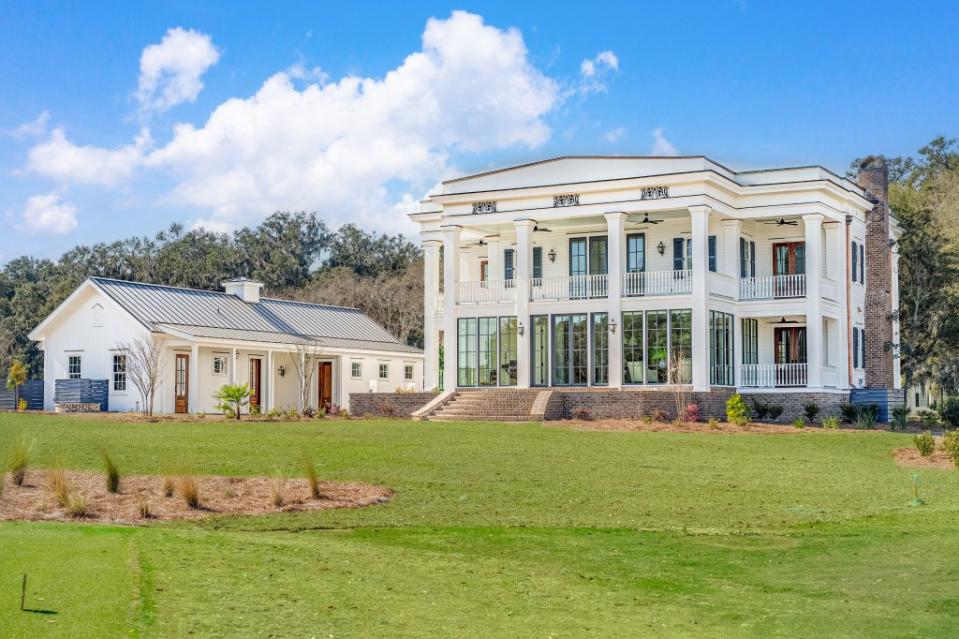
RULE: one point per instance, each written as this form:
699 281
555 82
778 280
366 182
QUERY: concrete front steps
494 404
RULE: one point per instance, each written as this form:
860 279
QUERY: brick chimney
873 178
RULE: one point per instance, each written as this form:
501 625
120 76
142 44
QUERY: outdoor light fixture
552 255
281 370
661 248
612 325
520 329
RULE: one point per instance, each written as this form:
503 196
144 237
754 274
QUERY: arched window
97 315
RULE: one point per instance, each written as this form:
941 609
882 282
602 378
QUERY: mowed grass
500 530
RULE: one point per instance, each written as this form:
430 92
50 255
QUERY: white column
700 223
233 366
737 350
431 292
836 263
523 268
494 258
814 248
614 242
270 379
729 259
451 267
193 386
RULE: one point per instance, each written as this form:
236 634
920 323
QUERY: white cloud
662 146
593 72
350 149
170 71
66 162
48 215
33 129
614 135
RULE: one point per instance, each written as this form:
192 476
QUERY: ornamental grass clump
900 417
77 506
799 422
830 423
278 490
737 412
190 490
18 461
112 474
59 486
925 443
169 485
312 478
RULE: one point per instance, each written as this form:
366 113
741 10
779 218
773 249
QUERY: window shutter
678 253
862 263
537 261
855 262
752 259
508 264
855 347
862 345
712 253
742 258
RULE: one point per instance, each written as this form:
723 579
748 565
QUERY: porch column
836 261
614 243
233 366
729 264
814 247
896 340
451 267
737 350
431 296
493 257
700 337
523 269
193 386
270 377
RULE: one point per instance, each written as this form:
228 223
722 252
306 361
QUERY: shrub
775 411
830 423
849 413
647 419
309 412
59 486
18 461
900 418
928 418
255 410
659 415
950 412
77 506
760 409
385 409
312 478
582 413
866 416
737 411
334 410
169 485
190 490
811 411
22 406
231 398
799 422
925 443
713 423
950 444
113 474
691 413
144 510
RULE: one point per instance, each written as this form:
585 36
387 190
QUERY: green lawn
501 530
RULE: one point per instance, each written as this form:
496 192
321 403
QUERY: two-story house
643 273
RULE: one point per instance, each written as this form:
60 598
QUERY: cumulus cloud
170 71
614 135
662 146
348 148
48 215
594 71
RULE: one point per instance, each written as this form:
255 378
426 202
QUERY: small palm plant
231 399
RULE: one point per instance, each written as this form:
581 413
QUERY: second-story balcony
769 287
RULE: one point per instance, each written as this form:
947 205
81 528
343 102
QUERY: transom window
74 368
119 372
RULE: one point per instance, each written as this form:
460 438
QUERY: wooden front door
790 345
181 384
255 386
325 384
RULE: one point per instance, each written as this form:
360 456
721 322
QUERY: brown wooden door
790 345
255 386
325 385
181 384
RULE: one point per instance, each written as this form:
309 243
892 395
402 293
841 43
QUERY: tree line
295 255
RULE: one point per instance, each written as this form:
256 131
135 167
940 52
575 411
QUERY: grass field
500 530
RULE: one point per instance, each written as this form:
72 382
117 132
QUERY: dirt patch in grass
911 457
639 426
36 501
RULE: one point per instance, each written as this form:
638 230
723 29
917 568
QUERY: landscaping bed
914 459
642 426
35 500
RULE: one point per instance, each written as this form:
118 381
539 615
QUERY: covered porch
776 353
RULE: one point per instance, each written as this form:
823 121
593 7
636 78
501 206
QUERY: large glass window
507 351
466 351
750 341
570 350
681 346
635 252
487 351
633 361
561 350
579 340
600 329
598 259
577 256
657 347
74 367
119 372
720 348
540 346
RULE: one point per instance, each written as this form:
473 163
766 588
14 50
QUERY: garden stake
915 492
23 590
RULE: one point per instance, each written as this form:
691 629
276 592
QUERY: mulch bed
35 501
625 425
911 457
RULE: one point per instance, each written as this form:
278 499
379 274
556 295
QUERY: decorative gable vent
97 313
488 206
566 200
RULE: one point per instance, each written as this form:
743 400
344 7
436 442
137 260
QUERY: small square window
119 372
219 365
356 370
74 369
384 371
408 372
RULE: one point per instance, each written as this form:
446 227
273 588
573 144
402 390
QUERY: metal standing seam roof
191 310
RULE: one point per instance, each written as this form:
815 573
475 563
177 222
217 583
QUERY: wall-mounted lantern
520 329
661 248
612 325
282 371
552 255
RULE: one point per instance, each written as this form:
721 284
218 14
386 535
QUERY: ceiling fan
646 220
782 222
783 320
537 229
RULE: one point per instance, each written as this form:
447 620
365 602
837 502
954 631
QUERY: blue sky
237 110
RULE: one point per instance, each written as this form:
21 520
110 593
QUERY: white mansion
640 272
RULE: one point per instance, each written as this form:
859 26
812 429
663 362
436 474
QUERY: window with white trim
74 367
97 315
356 370
384 370
408 372
119 372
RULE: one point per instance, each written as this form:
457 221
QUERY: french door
570 350
255 385
790 354
181 384
587 256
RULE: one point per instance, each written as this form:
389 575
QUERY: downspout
849 369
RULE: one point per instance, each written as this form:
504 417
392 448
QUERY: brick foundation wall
793 403
874 180
388 404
